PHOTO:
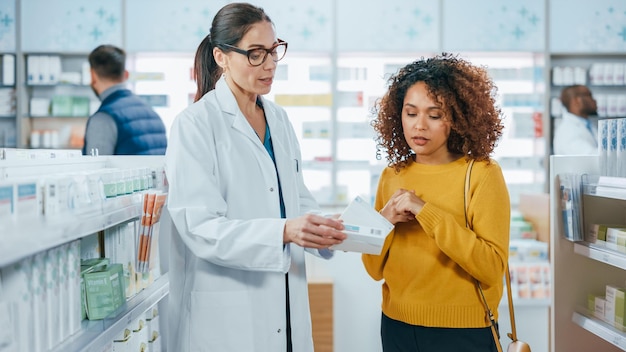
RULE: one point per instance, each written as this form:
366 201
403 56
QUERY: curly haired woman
437 115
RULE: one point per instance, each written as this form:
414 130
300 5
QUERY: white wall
356 301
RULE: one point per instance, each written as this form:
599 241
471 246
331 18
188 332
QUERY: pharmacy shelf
601 252
95 335
600 329
580 268
24 238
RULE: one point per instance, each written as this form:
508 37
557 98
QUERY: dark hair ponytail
229 25
205 70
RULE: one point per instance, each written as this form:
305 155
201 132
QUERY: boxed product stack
610 305
528 262
7 102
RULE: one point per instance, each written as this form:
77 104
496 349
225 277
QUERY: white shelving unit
579 269
21 239
98 333
25 239
8 99
68 125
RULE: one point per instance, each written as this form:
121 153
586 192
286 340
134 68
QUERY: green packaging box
104 290
86 266
620 307
591 302
598 231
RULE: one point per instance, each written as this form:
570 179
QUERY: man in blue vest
124 124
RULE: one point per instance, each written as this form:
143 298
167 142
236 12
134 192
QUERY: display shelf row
24 238
600 328
95 334
605 186
602 252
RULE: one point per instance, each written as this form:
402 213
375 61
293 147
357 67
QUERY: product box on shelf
6 201
40 302
91 246
119 247
7 341
597 232
16 282
88 265
530 279
71 263
599 307
104 291
28 199
7 61
52 282
620 309
591 301
611 294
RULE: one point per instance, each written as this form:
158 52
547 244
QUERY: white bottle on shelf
8 70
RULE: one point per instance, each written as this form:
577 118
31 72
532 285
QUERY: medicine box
104 291
620 308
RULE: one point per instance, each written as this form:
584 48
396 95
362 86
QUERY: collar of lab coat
577 121
574 118
230 109
228 104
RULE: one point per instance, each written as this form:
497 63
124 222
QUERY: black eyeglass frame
247 53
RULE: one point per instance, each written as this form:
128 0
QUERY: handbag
515 345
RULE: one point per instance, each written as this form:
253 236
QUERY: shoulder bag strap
496 336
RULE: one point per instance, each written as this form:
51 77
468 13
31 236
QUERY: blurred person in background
576 134
124 124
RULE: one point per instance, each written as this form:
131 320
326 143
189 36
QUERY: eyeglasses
257 56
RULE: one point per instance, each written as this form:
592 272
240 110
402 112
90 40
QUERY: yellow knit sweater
429 266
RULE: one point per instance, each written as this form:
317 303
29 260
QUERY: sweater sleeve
482 249
101 134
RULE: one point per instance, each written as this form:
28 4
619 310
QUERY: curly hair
465 93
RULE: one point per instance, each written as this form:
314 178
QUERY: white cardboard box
365 227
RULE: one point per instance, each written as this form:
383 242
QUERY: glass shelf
607 253
22 239
600 329
95 334
605 186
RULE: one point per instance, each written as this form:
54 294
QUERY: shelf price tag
108 221
617 340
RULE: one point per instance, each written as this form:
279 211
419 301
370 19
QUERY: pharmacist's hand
402 206
314 231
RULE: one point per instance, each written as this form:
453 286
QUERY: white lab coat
571 136
227 261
